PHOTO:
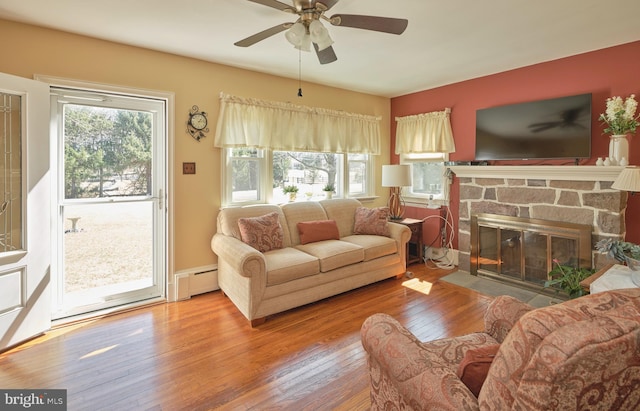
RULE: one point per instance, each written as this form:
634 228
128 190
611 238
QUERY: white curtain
245 122
425 133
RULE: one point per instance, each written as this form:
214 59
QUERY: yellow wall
31 50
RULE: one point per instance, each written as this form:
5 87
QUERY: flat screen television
545 129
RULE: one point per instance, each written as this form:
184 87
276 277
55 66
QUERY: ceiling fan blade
325 56
383 24
251 40
275 4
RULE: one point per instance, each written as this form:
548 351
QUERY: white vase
618 148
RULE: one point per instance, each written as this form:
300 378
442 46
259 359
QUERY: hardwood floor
201 354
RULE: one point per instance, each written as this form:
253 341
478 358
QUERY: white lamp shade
396 175
628 179
305 43
295 34
319 35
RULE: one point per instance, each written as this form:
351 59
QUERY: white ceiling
445 42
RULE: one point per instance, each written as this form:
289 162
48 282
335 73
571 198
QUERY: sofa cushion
264 233
301 211
343 211
371 221
375 246
312 231
289 264
334 253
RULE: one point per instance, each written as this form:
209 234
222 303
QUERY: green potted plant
329 189
291 190
567 278
623 252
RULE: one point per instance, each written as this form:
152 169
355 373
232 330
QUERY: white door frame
168 178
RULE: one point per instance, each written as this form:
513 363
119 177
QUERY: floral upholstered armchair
578 355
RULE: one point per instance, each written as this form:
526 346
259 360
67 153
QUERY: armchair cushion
569 356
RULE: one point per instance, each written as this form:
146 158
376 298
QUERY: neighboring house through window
268 146
259 176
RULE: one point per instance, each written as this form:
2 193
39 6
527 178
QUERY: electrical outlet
188 168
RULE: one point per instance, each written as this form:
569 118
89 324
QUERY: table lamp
396 176
627 180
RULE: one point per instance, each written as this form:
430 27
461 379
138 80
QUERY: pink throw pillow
372 221
263 233
312 231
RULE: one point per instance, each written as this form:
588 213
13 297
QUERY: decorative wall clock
197 123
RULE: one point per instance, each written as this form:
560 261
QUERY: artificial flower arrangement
620 116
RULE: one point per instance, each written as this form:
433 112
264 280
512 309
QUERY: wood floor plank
201 354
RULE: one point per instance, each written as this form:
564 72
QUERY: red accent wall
608 72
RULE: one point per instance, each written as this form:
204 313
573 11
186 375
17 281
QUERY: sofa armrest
502 314
242 258
399 232
405 373
402 234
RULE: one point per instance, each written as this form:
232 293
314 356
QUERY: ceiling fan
309 30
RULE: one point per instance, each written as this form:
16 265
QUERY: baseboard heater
194 281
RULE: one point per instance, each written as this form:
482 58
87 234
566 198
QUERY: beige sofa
264 283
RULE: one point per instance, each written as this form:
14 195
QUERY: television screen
545 129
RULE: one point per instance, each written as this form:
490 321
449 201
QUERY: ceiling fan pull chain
299 73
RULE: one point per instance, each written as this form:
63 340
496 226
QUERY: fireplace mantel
571 173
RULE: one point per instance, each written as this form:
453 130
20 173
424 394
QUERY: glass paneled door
111 200
25 191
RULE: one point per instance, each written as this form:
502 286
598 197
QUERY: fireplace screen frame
578 236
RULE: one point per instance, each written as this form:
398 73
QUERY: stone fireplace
580 195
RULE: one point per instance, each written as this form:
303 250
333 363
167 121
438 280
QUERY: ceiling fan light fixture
305 43
319 35
295 35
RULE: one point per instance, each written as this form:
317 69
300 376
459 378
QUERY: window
430 179
259 176
245 180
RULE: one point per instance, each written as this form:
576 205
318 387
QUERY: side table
414 246
586 283
610 277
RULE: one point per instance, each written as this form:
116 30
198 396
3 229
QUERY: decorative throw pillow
372 221
263 233
312 231
475 365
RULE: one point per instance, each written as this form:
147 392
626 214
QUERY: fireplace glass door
525 250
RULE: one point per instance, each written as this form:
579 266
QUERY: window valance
425 133
247 122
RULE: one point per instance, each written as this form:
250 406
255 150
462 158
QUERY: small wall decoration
197 123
